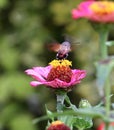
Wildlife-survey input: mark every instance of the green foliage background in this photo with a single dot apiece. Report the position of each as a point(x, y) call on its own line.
point(26, 26)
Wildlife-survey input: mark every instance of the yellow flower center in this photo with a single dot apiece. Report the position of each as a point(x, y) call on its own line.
point(60, 70)
point(102, 7)
point(56, 63)
point(57, 123)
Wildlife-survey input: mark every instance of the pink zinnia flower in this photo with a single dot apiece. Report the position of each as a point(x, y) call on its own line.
point(57, 75)
point(98, 11)
point(58, 125)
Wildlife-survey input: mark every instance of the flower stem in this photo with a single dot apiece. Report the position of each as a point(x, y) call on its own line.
point(102, 45)
point(108, 102)
point(60, 102)
point(107, 93)
point(103, 34)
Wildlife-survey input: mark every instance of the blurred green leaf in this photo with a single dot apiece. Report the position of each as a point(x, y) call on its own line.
point(9, 112)
point(104, 69)
point(9, 56)
point(3, 3)
point(22, 122)
point(16, 85)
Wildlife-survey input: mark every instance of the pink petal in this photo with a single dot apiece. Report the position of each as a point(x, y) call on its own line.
point(39, 73)
point(82, 10)
point(56, 83)
point(42, 70)
point(34, 74)
point(76, 78)
point(35, 83)
point(79, 74)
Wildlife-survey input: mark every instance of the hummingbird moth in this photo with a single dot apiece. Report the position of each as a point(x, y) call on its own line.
point(62, 49)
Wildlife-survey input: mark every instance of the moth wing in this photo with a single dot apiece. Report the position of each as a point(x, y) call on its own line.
point(54, 47)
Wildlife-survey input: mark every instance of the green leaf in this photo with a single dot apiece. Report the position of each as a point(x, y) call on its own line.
point(72, 106)
point(104, 69)
point(49, 113)
point(90, 112)
point(82, 122)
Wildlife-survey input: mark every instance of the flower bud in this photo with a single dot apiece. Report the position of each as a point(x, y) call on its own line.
point(84, 104)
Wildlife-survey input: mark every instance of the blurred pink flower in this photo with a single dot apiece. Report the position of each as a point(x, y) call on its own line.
point(57, 75)
point(98, 11)
point(102, 126)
